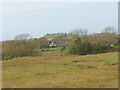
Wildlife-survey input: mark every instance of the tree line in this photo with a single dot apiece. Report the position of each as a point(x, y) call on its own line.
point(77, 42)
point(83, 43)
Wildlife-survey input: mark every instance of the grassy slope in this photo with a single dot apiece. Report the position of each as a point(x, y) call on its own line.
point(54, 71)
point(52, 49)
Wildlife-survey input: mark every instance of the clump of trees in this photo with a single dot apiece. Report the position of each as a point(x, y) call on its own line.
point(83, 43)
point(21, 46)
point(80, 48)
point(16, 49)
point(22, 37)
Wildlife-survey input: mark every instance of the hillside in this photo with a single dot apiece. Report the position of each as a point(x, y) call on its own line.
point(88, 71)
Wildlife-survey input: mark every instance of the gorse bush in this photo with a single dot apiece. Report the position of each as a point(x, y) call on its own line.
point(80, 48)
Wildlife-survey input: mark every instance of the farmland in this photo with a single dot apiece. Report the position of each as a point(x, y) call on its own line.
point(59, 45)
point(68, 71)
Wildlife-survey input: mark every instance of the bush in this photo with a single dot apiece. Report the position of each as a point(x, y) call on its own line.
point(17, 49)
point(80, 48)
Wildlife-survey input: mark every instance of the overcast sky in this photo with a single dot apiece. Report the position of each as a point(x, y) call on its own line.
point(41, 18)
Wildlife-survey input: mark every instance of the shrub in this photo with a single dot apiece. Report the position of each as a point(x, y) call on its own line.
point(80, 48)
point(17, 49)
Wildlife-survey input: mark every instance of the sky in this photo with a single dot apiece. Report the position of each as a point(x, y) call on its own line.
point(40, 18)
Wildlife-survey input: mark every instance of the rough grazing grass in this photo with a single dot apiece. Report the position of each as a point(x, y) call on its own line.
point(55, 71)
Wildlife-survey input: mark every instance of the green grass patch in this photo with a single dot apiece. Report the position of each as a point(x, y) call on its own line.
point(52, 48)
point(109, 58)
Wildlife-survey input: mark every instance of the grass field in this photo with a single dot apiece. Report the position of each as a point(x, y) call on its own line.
point(55, 71)
point(52, 49)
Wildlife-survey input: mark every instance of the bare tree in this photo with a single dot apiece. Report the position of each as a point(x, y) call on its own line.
point(78, 33)
point(42, 42)
point(109, 30)
point(109, 33)
point(22, 36)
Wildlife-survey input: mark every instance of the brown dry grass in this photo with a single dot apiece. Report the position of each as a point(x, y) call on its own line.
point(54, 71)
